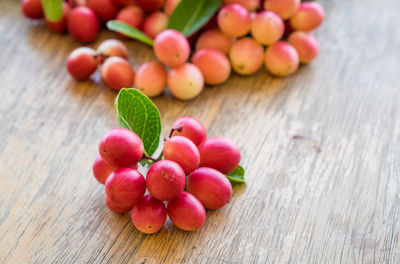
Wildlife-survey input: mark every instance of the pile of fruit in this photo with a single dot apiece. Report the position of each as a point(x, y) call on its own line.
point(187, 151)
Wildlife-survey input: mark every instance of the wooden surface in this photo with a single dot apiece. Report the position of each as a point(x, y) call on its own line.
point(321, 151)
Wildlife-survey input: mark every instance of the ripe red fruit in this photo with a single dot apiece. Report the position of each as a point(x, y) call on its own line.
point(81, 63)
point(210, 186)
point(83, 24)
point(149, 215)
point(185, 81)
point(234, 20)
point(281, 59)
point(165, 180)
point(116, 208)
point(155, 23)
point(284, 8)
point(113, 47)
point(183, 151)
point(101, 170)
point(117, 73)
point(267, 27)
point(190, 128)
point(213, 64)
point(171, 47)
point(32, 8)
point(150, 5)
point(104, 9)
point(124, 3)
point(250, 5)
point(186, 212)
point(125, 187)
point(170, 5)
point(246, 56)
point(220, 153)
point(305, 44)
point(150, 78)
point(121, 147)
point(61, 25)
point(214, 39)
point(131, 15)
point(308, 17)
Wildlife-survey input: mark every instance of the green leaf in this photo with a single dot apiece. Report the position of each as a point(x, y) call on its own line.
point(189, 15)
point(129, 31)
point(138, 113)
point(237, 175)
point(53, 9)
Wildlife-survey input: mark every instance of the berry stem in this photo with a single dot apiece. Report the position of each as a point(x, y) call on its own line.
point(149, 158)
point(179, 129)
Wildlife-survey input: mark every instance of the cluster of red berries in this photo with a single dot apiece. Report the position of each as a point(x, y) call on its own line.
point(186, 152)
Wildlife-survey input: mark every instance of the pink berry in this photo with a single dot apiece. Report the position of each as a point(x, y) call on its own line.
point(246, 56)
point(190, 128)
point(284, 8)
point(101, 170)
point(186, 212)
point(83, 24)
point(151, 78)
point(281, 59)
point(116, 208)
point(149, 215)
point(305, 44)
point(170, 5)
point(220, 153)
point(81, 63)
point(309, 16)
point(61, 25)
point(185, 82)
point(131, 15)
point(234, 20)
point(250, 5)
point(267, 27)
point(213, 64)
point(214, 39)
point(121, 147)
point(113, 47)
point(123, 3)
point(32, 9)
point(165, 180)
point(155, 23)
point(150, 5)
point(117, 73)
point(125, 187)
point(183, 151)
point(210, 186)
point(171, 47)
point(104, 9)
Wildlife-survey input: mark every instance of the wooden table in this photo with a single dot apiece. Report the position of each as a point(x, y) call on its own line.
point(321, 150)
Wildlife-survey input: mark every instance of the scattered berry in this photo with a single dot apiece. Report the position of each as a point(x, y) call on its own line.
point(81, 63)
point(113, 47)
point(117, 73)
point(151, 78)
point(185, 81)
point(171, 47)
point(83, 24)
point(32, 9)
point(155, 23)
point(131, 15)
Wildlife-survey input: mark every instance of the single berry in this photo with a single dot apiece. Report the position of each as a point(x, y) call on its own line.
point(234, 20)
point(250, 5)
point(170, 5)
point(104, 9)
point(61, 25)
point(101, 170)
point(305, 44)
point(213, 64)
point(171, 47)
point(246, 56)
point(155, 23)
point(186, 81)
point(183, 151)
point(150, 5)
point(83, 24)
point(149, 215)
point(151, 78)
point(131, 15)
point(190, 128)
point(112, 47)
point(215, 39)
point(81, 63)
point(309, 16)
point(284, 8)
point(117, 73)
point(267, 27)
point(281, 59)
point(116, 208)
point(32, 9)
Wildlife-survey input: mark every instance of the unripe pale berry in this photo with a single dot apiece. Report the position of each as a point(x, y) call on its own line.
point(121, 147)
point(101, 170)
point(61, 25)
point(151, 78)
point(117, 73)
point(267, 27)
point(185, 81)
point(210, 186)
point(125, 187)
point(131, 15)
point(116, 208)
point(171, 47)
point(305, 44)
point(246, 56)
point(123, 3)
point(81, 63)
point(165, 180)
point(309, 16)
point(220, 153)
point(284, 8)
point(234, 20)
point(113, 47)
point(170, 5)
point(183, 151)
point(186, 212)
point(83, 24)
point(155, 23)
point(190, 128)
point(250, 5)
point(104, 9)
point(150, 5)
point(281, 59)
point(32, 9)
point(149, 215)
point(215, 39)
point(213, 64)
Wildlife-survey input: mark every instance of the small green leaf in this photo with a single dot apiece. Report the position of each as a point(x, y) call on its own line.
point(129, 31)
point(189, 15)
point(138, 113)
point(237, 175)
point(53, 9)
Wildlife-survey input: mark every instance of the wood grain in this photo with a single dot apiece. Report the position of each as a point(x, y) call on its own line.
point(321, 151)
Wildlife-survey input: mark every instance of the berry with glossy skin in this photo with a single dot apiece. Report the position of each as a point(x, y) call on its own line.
point(101, 170)
point(104, 9)
point(116, 208)
point(83, 24)
point(186, 212)
point(267, 27)
point(32, 9)
point(121, 147)
point(183, 151)
point(155, 23)
point(250, 5)
point(234, 20)
point(149, 215)
point(220, 153)
point(61, 25)
point(123, 3)
point(165, 180)
point(185, 81)
point(131, 15)
point(150, 5)
point(170, 5)
point(213, 64)
point(210, 186)
point(190, 128)
point(81, 63)
point(125, 187)
point(215, 39)
point(246, 56)
point(171, 47)
point(309, 16)
point(284, 8)
point(117, 73)
point(281, 59)
point(151, 78)
point(113, 47)
point(305, 44)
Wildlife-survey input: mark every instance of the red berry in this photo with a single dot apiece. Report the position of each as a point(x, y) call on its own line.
point(155, 23)
point(305, 44)
point(171, 47)
point(116, 208)
point(267, 27)
point(149, 215)
point(150, 5)
point(131, 15)
point(104, 9)
point(124, 3)
point(284, 8)
point(81, 63)
point(183, 151)
point(281, 59)
point(101, 170)
point(61, 25)
point(117, 73)
point(234, 20)
point(32, 9)
point(246, 56)
point(213, 64)
point(151, 78)
point(190, 128)
point(185, 81)
point(214, 39)
point(83, 24)
point(113, 47)
point(309, 16)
